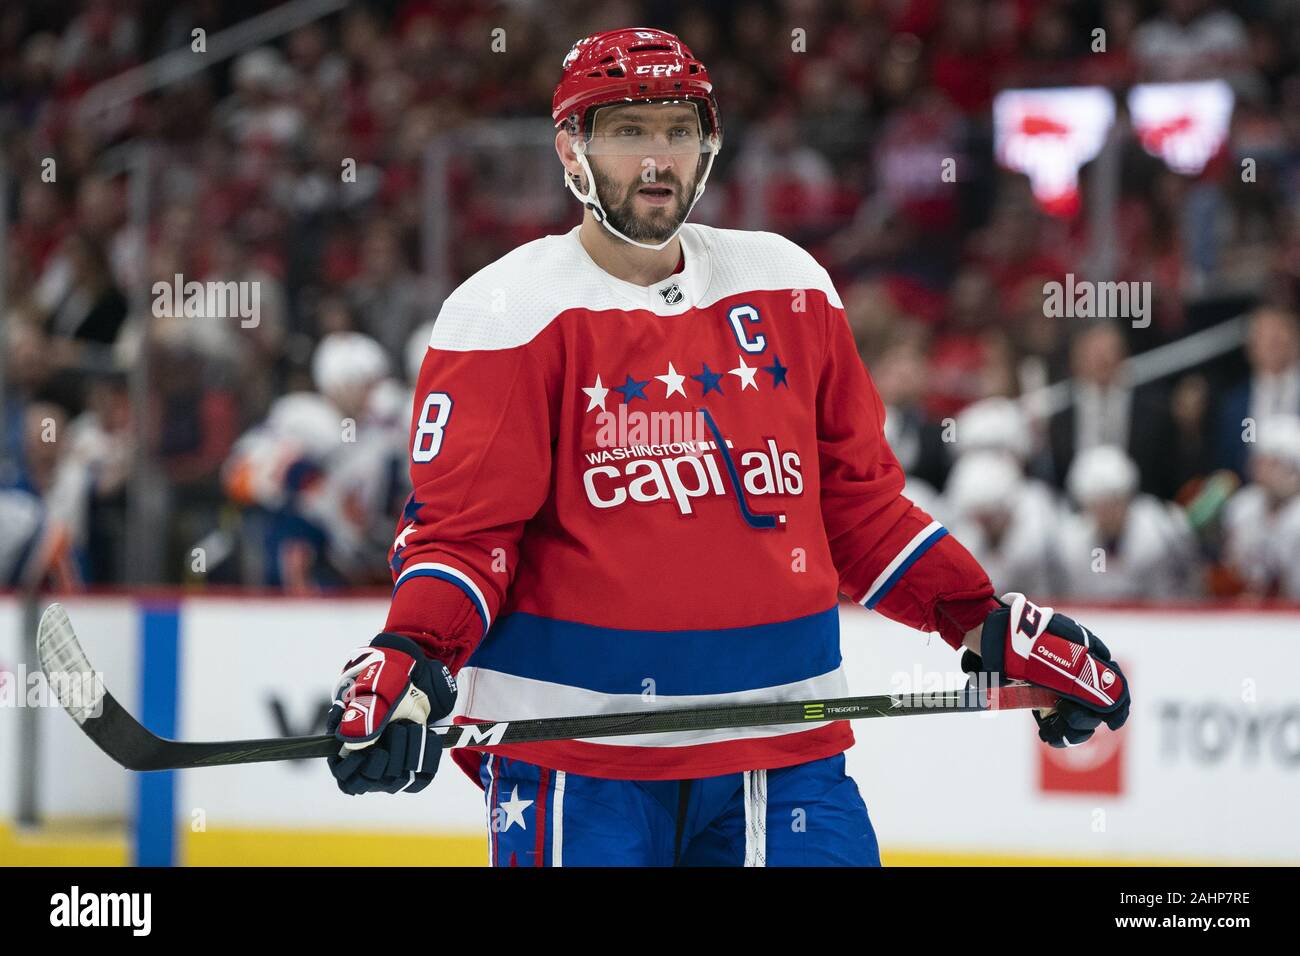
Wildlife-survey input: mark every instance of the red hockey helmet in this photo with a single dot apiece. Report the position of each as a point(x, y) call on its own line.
point(634, 65)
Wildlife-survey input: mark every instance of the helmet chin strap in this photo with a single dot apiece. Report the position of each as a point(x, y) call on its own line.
point(592, 202)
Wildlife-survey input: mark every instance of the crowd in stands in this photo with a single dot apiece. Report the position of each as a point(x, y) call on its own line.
point(837, 116)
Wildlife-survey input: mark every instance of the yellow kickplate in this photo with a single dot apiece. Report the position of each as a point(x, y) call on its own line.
point(227, 846)
point(64, 844)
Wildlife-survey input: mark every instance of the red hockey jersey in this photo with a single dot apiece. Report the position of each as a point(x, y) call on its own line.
point(633, 497)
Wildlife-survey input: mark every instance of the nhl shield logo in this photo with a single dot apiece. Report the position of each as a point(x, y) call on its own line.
point(672, 294)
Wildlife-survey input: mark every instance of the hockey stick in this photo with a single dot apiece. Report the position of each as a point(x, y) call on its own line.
point(122, 737)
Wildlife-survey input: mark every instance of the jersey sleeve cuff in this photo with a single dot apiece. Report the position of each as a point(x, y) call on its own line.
point(415, 579)
point(908, 555)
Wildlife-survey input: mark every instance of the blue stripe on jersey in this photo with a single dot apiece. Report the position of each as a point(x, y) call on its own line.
point(874, 599)
point(451, 579)
point(615, 661)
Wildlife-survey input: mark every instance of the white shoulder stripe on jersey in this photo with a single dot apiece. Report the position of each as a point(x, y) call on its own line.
point(509, 302)
point(746, 261)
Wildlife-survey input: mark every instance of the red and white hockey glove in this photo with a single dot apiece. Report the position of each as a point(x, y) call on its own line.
point(385, 696)
point(1022, 641)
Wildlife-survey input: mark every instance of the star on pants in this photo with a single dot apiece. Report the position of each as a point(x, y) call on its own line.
point(514, 808)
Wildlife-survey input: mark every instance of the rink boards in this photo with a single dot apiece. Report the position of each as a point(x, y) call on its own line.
point(1207, 771)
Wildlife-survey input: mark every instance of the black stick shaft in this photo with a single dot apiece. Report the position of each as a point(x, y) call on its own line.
point(131, 745)
point(485, 734)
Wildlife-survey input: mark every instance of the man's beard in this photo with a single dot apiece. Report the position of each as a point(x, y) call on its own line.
point(659, 224)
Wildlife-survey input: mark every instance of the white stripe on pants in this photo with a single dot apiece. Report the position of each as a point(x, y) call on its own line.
point(491, 827)
point(557, 821)
point(755, 817)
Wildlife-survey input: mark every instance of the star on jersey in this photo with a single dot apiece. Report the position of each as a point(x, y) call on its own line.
point(409, 511)
point(596, 394)
point(709, 380)
point(632, 389)
point(514, 808)
point(674, 381)
point(746, 375)
point(412, 508)
point(777, 371)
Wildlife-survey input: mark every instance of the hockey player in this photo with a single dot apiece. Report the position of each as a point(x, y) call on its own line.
point(1007, 521)
point(561, 554)
point(273, 473)
point(365, 484)
point(1261, 522)
point(1123, 545)
point(1005, 517)
point(318, 475)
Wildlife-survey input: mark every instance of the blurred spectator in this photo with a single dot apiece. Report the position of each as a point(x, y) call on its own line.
point(994, 424)
point(1106, 409)
point(416, 347)
point(1192, 40)
point(1123, 545)
point(899, 372)
point(1188, 452)
point(98, 42)
point(27, 374)
point(385, 297)
point(251, 348)
point(103, 439)
point(959, 355)
point(80, 297)
point(964, 59)
point(1009, 523)
point(260, 117)
point(789, 184)
point(57, 479)
point(989, 495)
point(1261, 534)
point(41, 225)
point(1114, 66)
point(1272, 388)
point(194, 423)
point(22, 517)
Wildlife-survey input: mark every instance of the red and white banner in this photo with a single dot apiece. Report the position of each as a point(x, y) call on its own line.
point(1185, 124)
point(1048, 135)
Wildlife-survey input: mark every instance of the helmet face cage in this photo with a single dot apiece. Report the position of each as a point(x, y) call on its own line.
point(625, 67)
point(588, 148)
point(581, 125)
point(645, 130)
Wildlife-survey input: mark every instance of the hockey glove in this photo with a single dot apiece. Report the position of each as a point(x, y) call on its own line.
point(1022, 641)
point(384, 697)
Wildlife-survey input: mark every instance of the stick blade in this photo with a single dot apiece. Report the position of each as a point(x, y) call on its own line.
point(80, 689)
point(74, 682)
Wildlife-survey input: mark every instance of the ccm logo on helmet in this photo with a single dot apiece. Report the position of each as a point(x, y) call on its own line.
point(659, 69)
